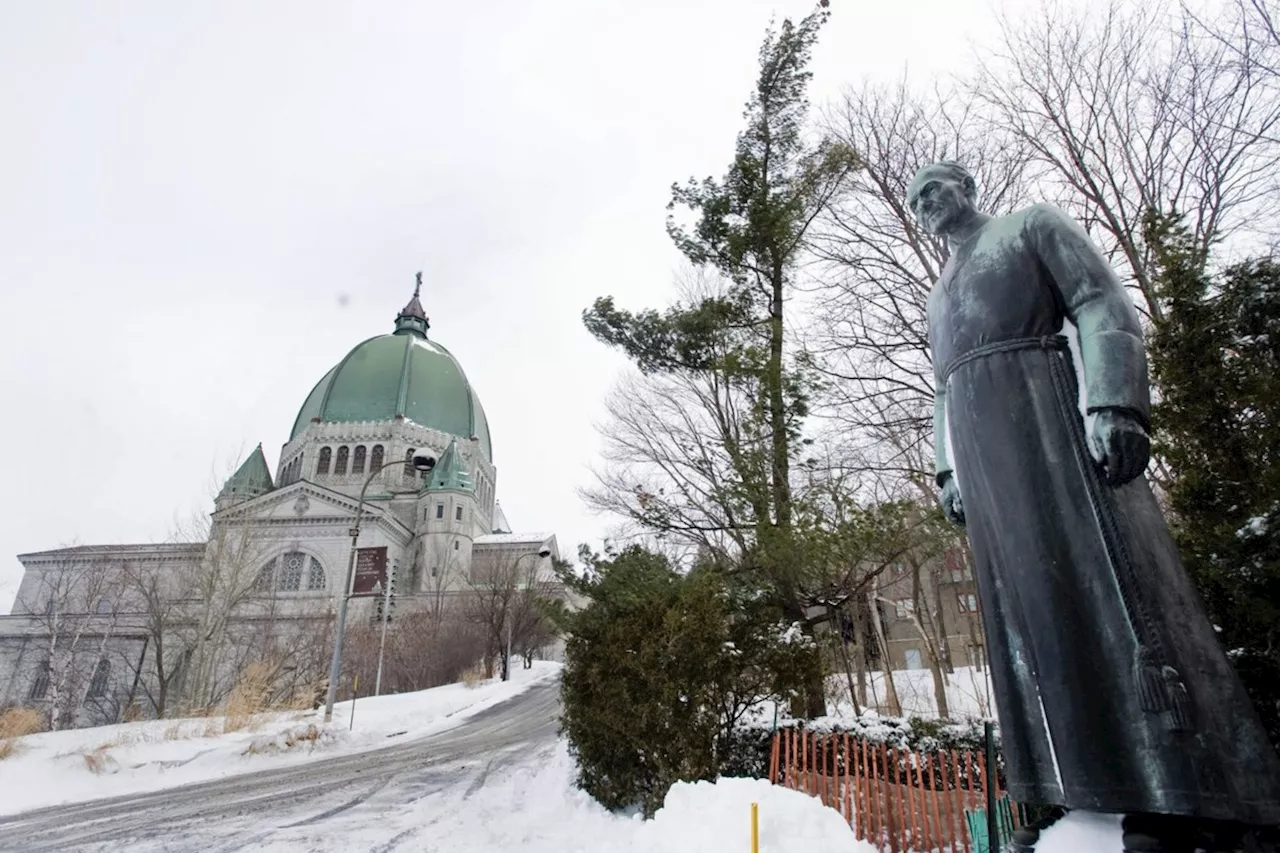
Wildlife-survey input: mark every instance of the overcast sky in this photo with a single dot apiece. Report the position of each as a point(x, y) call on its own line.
point(204, 206)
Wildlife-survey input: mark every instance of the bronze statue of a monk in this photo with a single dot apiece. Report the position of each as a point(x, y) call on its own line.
point(1112, 690)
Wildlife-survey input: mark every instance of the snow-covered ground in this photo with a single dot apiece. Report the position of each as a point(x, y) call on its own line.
point(73, 766)
point(466, 782)
point(968, 693)
point(534, 808)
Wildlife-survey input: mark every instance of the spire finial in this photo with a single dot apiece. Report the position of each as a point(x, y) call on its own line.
point(412, 320)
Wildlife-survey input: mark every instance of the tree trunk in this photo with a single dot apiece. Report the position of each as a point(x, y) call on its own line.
point(778, 410)
point(922, 615)
point(859, 653)
point(844, 656)
point(890, 689)
point(940, 629)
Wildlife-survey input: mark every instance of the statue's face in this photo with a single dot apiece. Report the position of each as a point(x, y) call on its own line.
point(937, 198)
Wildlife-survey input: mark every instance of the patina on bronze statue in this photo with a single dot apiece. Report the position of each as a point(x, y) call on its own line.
point(1112, 690)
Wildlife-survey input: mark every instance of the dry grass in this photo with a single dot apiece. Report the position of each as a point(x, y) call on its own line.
point(474, 676)
point(95, 760)
point(16, 723)
point(249, 698)
point(19, 722)
point(292, 738)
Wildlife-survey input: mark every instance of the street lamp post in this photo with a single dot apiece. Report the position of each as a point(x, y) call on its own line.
point(506, 667)
point(422, 460)
point(386, 617)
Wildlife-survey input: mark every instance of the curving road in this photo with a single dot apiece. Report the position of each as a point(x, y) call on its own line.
point(310, 806)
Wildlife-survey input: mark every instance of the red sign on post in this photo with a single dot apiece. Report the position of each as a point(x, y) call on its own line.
point(371, 571)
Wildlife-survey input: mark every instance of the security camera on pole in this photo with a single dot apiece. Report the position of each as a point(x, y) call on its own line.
point(421, 460)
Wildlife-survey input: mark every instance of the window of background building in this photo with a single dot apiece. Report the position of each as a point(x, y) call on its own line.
point(98, 685)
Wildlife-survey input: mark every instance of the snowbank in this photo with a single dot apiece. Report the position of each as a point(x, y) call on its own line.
point(1080, 831)
point(73, 766)
point(534, 807)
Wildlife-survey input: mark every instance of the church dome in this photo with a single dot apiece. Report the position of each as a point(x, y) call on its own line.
point(403, 373)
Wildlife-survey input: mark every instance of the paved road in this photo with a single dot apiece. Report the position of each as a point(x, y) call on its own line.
point(320, 799)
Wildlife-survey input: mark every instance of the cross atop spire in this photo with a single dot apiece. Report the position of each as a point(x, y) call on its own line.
point(412, 320)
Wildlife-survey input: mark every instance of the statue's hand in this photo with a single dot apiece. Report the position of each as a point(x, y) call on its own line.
point(952, 505)
point(1123, 442)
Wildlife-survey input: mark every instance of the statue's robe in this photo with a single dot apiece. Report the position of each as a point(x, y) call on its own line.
point(1112, 689)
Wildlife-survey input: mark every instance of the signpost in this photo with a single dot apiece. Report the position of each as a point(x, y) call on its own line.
point(371, 571)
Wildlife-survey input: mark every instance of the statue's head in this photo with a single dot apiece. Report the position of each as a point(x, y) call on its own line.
point(942, 195)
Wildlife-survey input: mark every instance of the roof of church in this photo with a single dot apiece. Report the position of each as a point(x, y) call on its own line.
point(401, 374)
point(92, 552)
point(450, 473)
point(251, 479)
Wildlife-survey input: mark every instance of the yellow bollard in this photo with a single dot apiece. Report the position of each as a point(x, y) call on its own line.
point(755, 828)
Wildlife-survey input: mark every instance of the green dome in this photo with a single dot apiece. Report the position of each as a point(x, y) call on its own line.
point(403, 373)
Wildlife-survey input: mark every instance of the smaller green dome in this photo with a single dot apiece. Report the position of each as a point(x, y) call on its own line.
point(400, 374)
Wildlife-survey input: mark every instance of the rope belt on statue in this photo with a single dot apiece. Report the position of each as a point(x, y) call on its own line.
point(1159, 685)
point(1047, 342)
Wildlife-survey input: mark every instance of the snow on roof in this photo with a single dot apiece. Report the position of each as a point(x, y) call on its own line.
point(512, 538)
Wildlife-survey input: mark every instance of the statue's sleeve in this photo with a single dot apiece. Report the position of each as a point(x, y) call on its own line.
point(943, 464)
point(1115, 362)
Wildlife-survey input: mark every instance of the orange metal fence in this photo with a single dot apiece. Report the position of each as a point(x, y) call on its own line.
point(901, 800)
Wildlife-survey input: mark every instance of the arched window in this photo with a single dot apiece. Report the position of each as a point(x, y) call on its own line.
point(98, 685)
point(40, 687)
point(322, 466)
point(357, 461)
point(375, 458)
point(315, 575)
point(291, 566)
point(340, 465)
point(295, 469)
point(266, 577)
point(408, 462)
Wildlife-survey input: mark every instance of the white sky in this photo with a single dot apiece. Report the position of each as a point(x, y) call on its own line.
point(204, 206)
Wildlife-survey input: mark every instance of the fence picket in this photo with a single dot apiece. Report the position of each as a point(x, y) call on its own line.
point(960, 806)
point(848, 784)
point(948, 809)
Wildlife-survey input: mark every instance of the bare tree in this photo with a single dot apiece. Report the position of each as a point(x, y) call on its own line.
point(505, 591)
point(877, 266)
point(77, 609)
point(231, 581)
point(156, 590)
point(1249, 34)
point(1129, 110)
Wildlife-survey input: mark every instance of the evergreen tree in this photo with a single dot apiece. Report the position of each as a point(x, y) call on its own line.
point(660, 668)
point(1216, 362)
point(749, 229)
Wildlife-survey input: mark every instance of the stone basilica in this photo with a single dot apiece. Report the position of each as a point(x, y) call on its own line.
point(283, 539)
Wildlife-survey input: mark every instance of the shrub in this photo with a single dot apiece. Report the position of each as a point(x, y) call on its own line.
point(659, 670)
